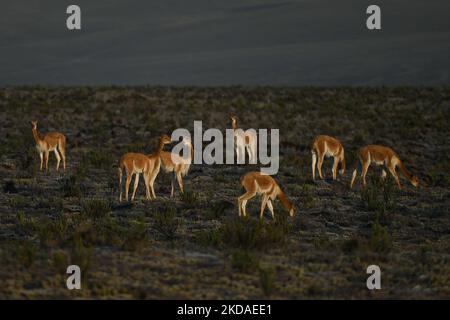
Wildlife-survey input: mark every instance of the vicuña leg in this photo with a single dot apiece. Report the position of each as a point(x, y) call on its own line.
point(58, 159)
point(269, 204)
point(395, 175)
point(41, 155)
point(180, 181)
point(319, 165)
point(263, 205)
point(47, 153)
point(243, 201)
point(127, 185)
point(365, 167)
point(335, 166)
point(136, 184)
point(313, 164)
point(62, 151)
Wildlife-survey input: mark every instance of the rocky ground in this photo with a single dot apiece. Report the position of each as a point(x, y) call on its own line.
point(194, 245)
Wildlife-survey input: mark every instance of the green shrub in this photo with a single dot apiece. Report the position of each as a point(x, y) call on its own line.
point(60, 261)
point(189, 197)
point(53, 233)
point(97, 159)
point(95, 208)
point(26, 253)
point(244, 261)
point(246, 233)
point(9, 187)
point(26, 224)
point(266, 280)
point(136, 236)
point(208, 238)
point(350, 245)
point(166, 223)
point(379, 195)
point(380, 240)
point(70, 186)
point(81, 255)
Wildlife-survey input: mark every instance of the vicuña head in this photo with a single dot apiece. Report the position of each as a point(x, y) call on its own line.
point(382, 156)
point(234, 120)
point(34, 124)
point(256, 183)
point(165, 139)
point(414, 181)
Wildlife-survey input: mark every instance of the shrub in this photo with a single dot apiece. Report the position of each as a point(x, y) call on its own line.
point(26, 224)
point(9, 187)
point(166, 223)
point(60, 261)
point(17, 201)
point(70, 186)
point(350, 245)
point(81, 255)
point(189, 197)
point(307, 195)
point(26, 253)
point(135, 237)
point(380, 240)
point(379, 195)
point(248, 233)
point(97, 159)
point(54, 232)
point(266, 280)
point(208, 237)
point(244, 261)
point(95, 208)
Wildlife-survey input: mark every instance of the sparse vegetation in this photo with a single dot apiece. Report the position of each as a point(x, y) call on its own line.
point(167, 223)
point(194, 245)
point(95, 208)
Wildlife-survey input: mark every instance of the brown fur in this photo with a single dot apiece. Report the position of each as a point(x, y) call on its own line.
point(244, 140)
point(380, 155)
point(326, 146)
point(172, 162)
point(52, 141)
point(137, 163)
point(256, 183)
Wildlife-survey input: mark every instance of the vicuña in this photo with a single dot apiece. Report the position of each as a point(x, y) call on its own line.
point(381, 156)
point(52, 141)
point(137, 163)
point(326, 146)
point(257, 183)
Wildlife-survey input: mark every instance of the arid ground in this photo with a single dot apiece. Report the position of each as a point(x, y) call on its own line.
point(194, 245)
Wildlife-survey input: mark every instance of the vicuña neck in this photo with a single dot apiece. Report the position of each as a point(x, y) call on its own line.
point(284, 200)
point(405, 171)
point(160, 147)
point(36, 135)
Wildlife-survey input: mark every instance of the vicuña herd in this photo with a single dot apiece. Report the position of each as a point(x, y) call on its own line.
point(254, 183)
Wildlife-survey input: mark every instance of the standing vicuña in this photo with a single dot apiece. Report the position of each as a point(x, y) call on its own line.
point(384, 156)
point(172, 162)
point(256, 183)
point(244, 141)
point(52, 141)
point(137, 163)
point(326, 146)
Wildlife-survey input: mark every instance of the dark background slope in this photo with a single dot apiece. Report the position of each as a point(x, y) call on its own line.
point(204, 42)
